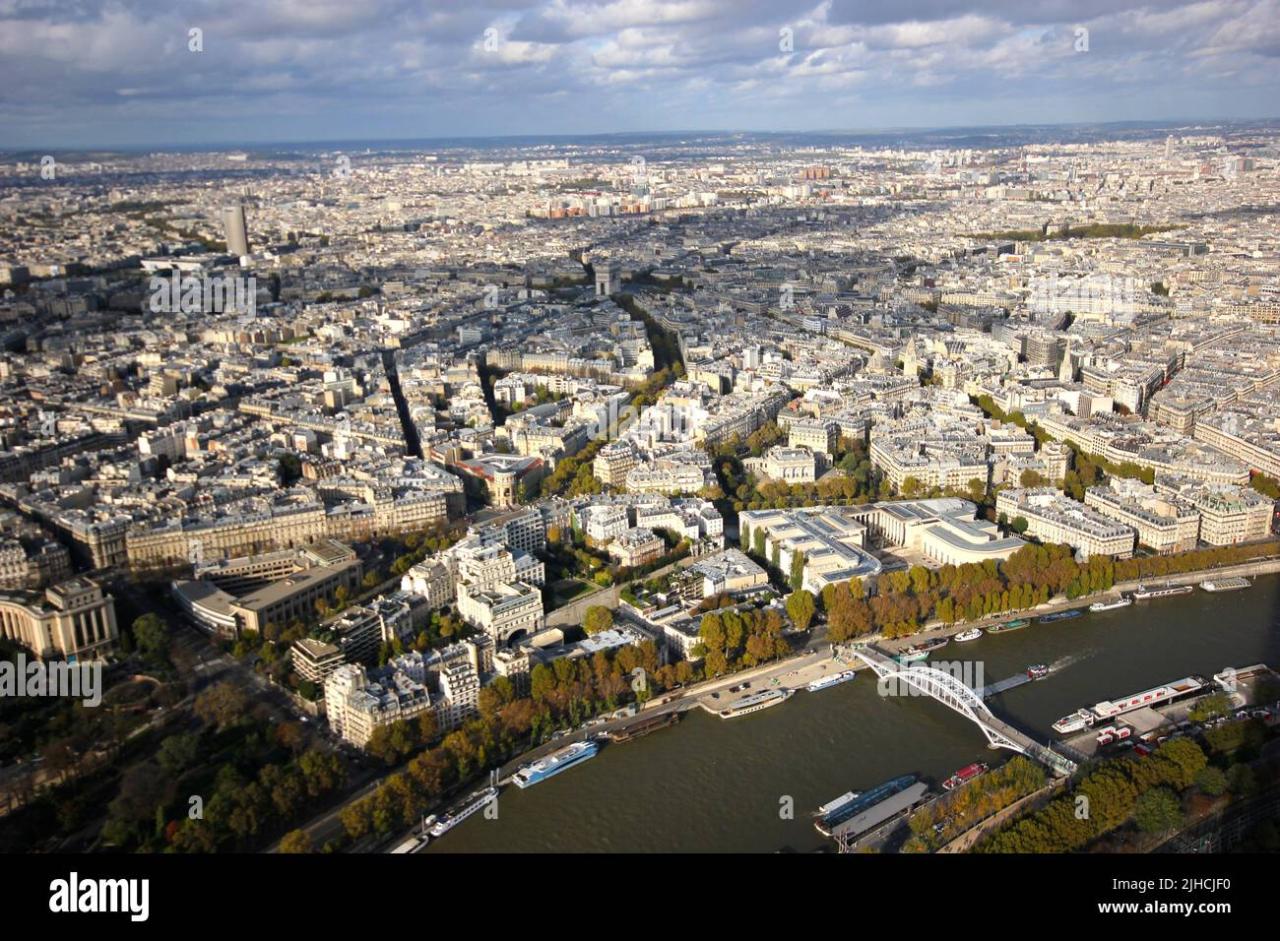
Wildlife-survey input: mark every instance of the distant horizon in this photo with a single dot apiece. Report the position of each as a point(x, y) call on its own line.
point(215, 146)
point(98, 74)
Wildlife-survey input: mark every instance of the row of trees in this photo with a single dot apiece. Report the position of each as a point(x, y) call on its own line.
point(562, 694)
point(733, 639)
point(973, 802)
point(573, 475)
point(1141, 789)
point(906, 600)
point(1158, 566)
point(1087, 470)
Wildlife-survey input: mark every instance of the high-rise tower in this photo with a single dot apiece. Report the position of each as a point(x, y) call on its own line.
point(236, 230)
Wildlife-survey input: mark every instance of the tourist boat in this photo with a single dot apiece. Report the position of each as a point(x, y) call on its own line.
point(830, 807)
point(1037, 671)
point(1109, 709)
point(972, 634)
point(553, 764)
point(1121, 602)
point(755, 702)
point(1015, 625)
point(1225, 584)
point(828, 681)
point(1143, 593)
point(964, 775)
point(1076, 722)
point(847, 808)
point(1149, 697)
point(474, 803)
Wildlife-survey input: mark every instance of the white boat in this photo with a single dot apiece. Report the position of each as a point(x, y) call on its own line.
point(828, 681)
point(1076, 722)
point(1109, 709)
point(1121, 602)
point(1148, 697)
point(554, 763)
point(1143, 593)
point(475, 802)
point(1225, 584)
point(972, 634)
point(831, 807)
point(754, 703)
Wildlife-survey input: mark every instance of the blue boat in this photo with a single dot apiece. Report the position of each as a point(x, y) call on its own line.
point(843, 809)
point(554, 763)
point(1059, 616)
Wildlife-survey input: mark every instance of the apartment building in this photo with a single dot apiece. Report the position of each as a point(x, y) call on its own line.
point(1164, 522)
point(666, 476)
point(823, 436)
point(459, 683)
point(483, 566)
point(1249, 435)
point(503, 610)
point(357, 703)
point(603, 522)
point(613, 462)
point(636, 547)
point(1052, 517)
point(1228, 515)
point(431, 579)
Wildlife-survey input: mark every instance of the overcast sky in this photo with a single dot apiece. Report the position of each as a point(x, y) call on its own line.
point(86, 73)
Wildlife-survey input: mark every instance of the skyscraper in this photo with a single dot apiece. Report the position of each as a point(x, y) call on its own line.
point(236, 230)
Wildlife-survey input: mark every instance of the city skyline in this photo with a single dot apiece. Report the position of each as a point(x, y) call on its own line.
point(639, 427)
point(107, 76)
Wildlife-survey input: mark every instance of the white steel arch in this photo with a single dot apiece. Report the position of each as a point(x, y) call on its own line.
point(949, 691)
point(957, 696)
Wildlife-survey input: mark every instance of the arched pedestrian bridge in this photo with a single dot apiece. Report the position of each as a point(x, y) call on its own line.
point(955, 695)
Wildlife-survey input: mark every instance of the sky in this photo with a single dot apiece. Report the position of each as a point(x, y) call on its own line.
point(148, 73)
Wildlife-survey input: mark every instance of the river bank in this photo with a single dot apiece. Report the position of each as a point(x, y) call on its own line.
point(815, 660)
point(748, 784)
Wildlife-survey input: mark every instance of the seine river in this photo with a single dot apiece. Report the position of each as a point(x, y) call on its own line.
point(713, 785)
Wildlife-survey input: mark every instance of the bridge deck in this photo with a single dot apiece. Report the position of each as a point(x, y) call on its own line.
point(1001, 686)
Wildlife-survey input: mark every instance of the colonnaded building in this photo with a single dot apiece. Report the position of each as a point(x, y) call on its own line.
point(74, 619)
